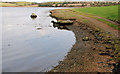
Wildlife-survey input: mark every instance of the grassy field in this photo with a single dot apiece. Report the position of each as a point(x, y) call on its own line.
point(23, 3)
point(15, 4)
point(7, 4)
point(109, 12)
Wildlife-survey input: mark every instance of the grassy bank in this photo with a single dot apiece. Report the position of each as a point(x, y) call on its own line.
point(109, 12)
point(101, 14)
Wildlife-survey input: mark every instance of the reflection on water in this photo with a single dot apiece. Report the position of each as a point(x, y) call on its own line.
point(32, 45)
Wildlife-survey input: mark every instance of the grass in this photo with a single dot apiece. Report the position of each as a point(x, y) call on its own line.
point(109, 12)
point(7, 4)
point(15, 4)
point(23, 3)
point(110, 24)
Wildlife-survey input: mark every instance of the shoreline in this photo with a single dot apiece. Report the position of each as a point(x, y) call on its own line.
point(90, 55)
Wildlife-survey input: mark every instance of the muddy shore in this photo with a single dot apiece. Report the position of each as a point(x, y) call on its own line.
point(94, 50)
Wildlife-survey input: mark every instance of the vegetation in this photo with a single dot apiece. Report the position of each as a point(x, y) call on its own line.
point(76, 4)
point(109, 12)
point(8, 4)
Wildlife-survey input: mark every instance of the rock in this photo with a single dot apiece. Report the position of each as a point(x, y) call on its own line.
point(109, 42)
point(111, 55)
point(65, 22)
point(97, 30)
point(108, 32)
point(110, 59)
point(94, 48)
point(109, 65)
point(85, 39)
point(108, 47)
point(101, 50)
point(56, 25)
point(99, 38)
point(54, 70)
point(33, 15)
point(53, 22)
point(38, 28)
point(100, 62)
point(104, 53)
point(114, 64)
point(91, 31)
point(112, 42)
point(116, 69)
point(61, 27)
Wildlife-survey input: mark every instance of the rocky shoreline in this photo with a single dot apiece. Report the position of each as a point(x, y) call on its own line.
point(94, 50)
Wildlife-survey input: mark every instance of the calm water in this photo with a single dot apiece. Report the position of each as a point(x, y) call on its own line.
point(27, 49)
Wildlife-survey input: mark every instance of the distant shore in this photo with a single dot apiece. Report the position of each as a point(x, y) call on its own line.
point(59, 4)
point(21, 6)
point(18, 4)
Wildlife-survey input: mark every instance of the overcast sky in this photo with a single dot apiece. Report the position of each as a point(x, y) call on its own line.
point(50, 0)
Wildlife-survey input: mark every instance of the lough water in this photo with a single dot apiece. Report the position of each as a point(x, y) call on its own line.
point(27, 49)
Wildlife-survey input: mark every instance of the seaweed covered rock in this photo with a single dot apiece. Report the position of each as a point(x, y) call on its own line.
point(64, 22)
point(33, 15)
point(86, 39)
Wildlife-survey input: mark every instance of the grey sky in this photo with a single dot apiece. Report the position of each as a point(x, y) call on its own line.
point(53, 0)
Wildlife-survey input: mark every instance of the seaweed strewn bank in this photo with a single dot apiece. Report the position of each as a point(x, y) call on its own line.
point(96, 48)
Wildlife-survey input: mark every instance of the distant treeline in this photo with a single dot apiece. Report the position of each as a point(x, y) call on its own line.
point(76, 4)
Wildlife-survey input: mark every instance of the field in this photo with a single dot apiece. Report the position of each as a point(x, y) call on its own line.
point(15, 4)
point(106, 14)
point(7, 4)
point(109, 12)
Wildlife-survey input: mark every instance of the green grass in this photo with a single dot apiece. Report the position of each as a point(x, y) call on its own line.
point(109, 12)
point(110, 24)
point(23, 3)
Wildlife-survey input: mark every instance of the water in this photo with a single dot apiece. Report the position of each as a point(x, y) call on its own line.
point(27, 49)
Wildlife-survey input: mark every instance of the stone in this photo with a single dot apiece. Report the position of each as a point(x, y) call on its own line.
point(64, 22)
point(61, 27)
point(104, 53)
point(38, 28)
point(108, 47)
point(85, 39)
point(33, 15)
point(54, 70)
point(100, 62)
point(112, 55)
